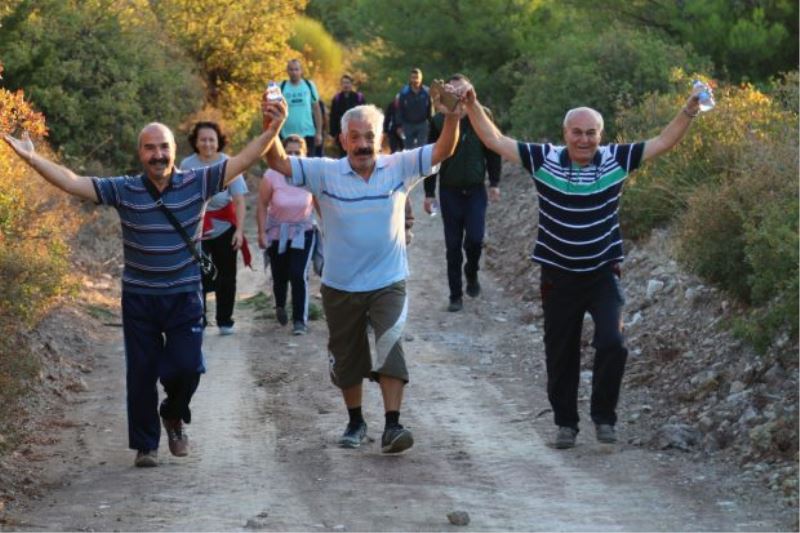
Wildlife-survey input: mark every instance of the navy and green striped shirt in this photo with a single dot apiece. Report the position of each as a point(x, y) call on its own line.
point(579, 206)
point(157, 260)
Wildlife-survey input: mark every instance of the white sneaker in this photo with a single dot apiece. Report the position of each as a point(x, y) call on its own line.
point(226, 330)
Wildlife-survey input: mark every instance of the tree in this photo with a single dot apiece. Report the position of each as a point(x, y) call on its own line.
point(97, 81)
point(238, 46)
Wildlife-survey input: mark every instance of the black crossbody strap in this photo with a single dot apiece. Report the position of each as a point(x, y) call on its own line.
point(171, 217)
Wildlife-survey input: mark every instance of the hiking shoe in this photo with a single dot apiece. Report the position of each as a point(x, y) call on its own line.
point(396, 439)
point(605, 433)
point(177, 438)
point(353, 435)
point(226, 330)
point(280, 314)
point(456, 304)
point(299, 328)
point(565, 438)
point(473, 289)
point(146, 459)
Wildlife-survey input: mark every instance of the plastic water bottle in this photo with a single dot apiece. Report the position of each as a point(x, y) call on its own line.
point(705, 96)
point(273, 92)
point(434, 208)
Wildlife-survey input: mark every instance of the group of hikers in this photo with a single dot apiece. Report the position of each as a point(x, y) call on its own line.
point(360, 202)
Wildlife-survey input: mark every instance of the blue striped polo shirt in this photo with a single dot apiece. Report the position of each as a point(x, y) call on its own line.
point(157, 260)
point(363, 221)
point(579, 206)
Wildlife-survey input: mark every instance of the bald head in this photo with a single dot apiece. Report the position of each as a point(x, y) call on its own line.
point(156, 127)
point(584, 113)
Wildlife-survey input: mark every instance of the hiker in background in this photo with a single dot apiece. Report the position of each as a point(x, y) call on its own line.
point(223, 223)
point(413, 111)
point(162, 310)
point(346, 98)
point(305, 115)
point(579, 248)
point(391, 127)
point(286, 234)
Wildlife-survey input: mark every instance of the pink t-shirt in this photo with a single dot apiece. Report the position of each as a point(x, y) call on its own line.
point(289, 204)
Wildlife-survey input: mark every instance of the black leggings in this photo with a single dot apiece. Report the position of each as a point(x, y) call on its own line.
point(292, 266)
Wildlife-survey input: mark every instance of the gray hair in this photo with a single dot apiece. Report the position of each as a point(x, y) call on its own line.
point(575, 110)
point(368, 113)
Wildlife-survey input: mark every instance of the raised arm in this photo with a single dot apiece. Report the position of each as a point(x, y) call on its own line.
point(487, 131)
point(675, 130)
point(445, 145)
point(61, 177)
point(255, 149)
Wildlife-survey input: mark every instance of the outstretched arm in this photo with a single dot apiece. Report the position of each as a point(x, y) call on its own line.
point(487, 131)
point(256, 148)
point(675, 130)
point(445, 145)
point(61, 177)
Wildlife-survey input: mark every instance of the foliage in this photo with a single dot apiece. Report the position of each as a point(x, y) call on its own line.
point(98, 79)
point(615, 69)
point(439, 37)
point(322, 56)
point(237, 45)
point(732, 188)
point(746, 39)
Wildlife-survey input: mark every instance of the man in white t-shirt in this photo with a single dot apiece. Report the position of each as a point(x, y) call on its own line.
point(362, 202)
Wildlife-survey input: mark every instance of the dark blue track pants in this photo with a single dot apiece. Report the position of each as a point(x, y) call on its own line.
point(163, 341)
point(292, 266)
point(566, 297)
point(464, 219)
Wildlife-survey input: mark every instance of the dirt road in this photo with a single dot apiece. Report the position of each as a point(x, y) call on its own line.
point(266, 420)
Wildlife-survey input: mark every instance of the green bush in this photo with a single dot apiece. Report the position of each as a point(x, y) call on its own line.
point(607, 71)
point(97, 77)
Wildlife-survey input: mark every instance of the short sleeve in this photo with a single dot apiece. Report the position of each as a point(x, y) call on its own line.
point(417, 164)
point(629, 156)
point(308, 172)
point(531, 155)
point(314, 93)
point(108, 190)
point(214, 178)
point(238, 187)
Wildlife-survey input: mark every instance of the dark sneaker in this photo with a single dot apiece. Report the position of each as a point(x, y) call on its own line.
point(565, 438)
point(605, 433)
point(146, 459)
point(456, 304)
point(473, 289)
point(177, 438)
point(396, 439)
point(299, 328)
point(280, 314)
point(353, 435)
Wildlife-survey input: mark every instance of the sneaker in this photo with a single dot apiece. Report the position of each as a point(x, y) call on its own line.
point(146, 459)
point(396, 439)
point(280, 314)
point(456, 304)
point(226, 330)
point(565, 438)
point(353, 435)
point(605, 433)
point(177, 437)
point(299, 328)
point(473, 289)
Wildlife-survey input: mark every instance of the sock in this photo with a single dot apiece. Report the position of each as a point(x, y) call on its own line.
point(392, 419)
point(355, 415)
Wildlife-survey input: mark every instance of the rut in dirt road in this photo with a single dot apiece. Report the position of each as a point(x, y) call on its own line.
point(266, 420)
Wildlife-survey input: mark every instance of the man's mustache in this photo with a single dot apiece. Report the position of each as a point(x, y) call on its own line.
point(158, 161)
point(364, 151)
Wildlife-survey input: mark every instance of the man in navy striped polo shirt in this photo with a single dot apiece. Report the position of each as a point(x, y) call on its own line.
point(579, 248)
point(161, 300)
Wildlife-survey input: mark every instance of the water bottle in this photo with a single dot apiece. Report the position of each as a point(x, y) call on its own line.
point(273, 92)
point(705, 96)
point(434, 208)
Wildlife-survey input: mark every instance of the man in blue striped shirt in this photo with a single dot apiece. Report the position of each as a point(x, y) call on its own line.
point(161, 283)
point(579, 248)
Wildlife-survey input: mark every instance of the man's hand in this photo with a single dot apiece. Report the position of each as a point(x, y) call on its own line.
point(238, 239)
point(469, 98)
point(23, 147)
point(692, 105)
point(262, 240)
point(318, 139)
point(273, 114)
point(427, 205)
point(494, 194)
